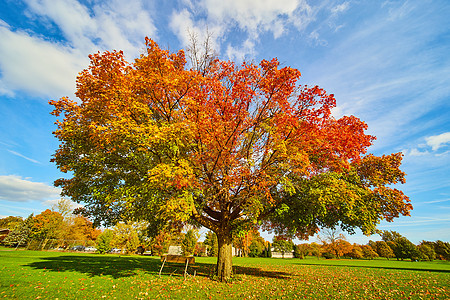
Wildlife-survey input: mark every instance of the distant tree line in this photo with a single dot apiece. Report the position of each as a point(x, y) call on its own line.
point(392, 245)
point(44, 229)
point(60, 227)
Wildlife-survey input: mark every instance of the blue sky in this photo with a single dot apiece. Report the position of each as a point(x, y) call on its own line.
point(387, 62)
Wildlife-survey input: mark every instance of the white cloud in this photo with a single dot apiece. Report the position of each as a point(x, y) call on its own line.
point(336, 11)
point(123, 25)
point(240, 53)
point(71, 17)
point(5, 90)
point(340, 8)
point(416, 152)
point(274, 16)
point(110, 25)
point(37, 66)
point(316, 39)
point(16, 189)
point(46, 68)
point(23, 156)
point(251, 17)
point(182, 23)
point(437, 141)
point(436, 201)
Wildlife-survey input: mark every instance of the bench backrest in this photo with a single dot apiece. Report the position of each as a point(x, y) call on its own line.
point(178, 258)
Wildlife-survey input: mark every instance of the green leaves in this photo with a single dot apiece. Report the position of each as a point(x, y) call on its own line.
point(356, 198)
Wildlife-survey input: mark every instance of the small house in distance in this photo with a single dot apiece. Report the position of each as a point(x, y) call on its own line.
point(282, 254)
point(175, 250)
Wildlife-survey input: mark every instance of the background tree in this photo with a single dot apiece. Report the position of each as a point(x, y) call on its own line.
point(442, 249)
point(126, 237)
point(405, 249)
point(334, 242)
point(368, 252)
point(268, 250)
point(65, 207)
point(21, 234)
point(427, 252)
point(356, 252)
point(80, 228)
point(301, 250)
point(383, 250)
point(161, 243)
point(48, 225)
point(390, 236)
point(257, 246)
point(373, 245)
point(211, 243)
point(280, 244)
point(400, 245)
point(224, 145)
point(10, 222)
point(315, 249)
point(104, 242)
point(391, 245)
point(338, 248)
point(200, 249)
point(189, 242)
point(244, 239)
point(76, 227)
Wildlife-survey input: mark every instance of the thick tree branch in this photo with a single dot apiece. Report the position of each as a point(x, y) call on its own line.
point(212, 213)
point(205, 221)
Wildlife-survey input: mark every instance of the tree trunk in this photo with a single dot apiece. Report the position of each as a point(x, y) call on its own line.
point(224, 266)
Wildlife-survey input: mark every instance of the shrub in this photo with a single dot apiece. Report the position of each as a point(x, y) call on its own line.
point(104, 241)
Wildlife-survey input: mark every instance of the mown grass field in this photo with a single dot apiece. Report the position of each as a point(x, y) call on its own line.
point(64, 275)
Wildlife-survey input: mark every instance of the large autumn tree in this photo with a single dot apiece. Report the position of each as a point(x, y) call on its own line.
point(222, 145)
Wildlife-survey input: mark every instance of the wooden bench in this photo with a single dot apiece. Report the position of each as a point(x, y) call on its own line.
point(177, 259)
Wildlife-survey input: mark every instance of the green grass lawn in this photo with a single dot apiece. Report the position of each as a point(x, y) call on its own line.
point(63, 275)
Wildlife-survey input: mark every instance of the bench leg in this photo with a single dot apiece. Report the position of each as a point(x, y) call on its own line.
point(185, 269)
point(162, 267)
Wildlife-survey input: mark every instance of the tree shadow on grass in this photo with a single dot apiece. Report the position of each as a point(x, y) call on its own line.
point(258, 272)
point(207, 270)
point(98, 265)
point(126, 266)
point(375, 267)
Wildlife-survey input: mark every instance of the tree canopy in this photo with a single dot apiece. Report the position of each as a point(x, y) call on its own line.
point(225, 146)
